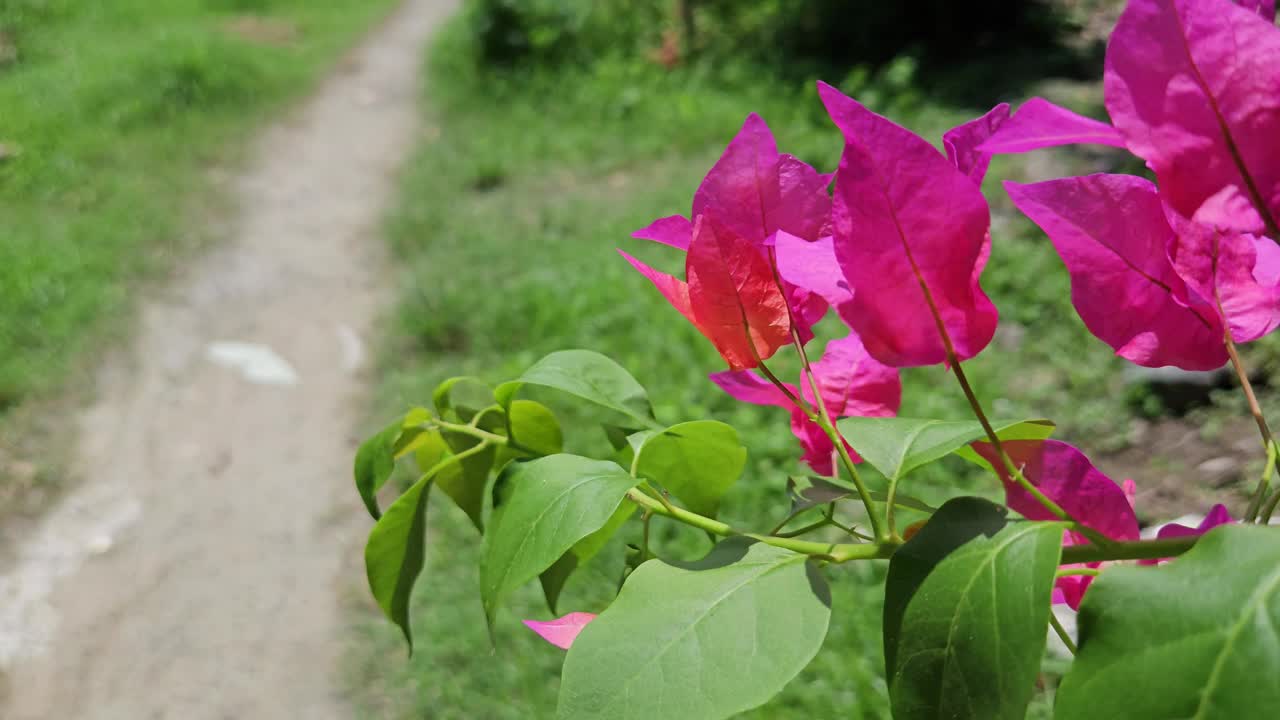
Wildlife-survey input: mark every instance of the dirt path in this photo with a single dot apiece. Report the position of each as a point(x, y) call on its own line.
point(194, 573)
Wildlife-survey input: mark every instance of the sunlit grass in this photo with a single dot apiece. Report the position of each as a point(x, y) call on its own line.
point(112, 113)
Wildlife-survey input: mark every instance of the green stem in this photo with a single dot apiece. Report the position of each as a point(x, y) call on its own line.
point(824, 522)
point(1068, 572)
point(824, 421)
point(456, 458)
point(1264, 484)
point(1268, 508)
point(844, 552)
point(804, 407)
point(1062, 633)
point(953, 359)
point(1255, 409)
point(482, 435)
point(832, 552)
point(644, 540)
point(1136, 550)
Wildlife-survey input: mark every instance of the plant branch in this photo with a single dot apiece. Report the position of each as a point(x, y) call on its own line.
point(844, 552)
point(1268, 508)
point(1135, 550)
point(1259, 419)
point(1062, 632)
point(1068, 572)
point(832, 552)
point(1264, 485)
point(823, 420)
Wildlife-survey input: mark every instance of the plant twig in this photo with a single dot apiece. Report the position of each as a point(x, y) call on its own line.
point(1062, 632)
point(1268, 508)
point(1255, 409)
point(1264, 484)
point(823, 420)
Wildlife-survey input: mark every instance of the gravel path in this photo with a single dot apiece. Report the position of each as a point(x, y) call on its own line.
point(194, 573)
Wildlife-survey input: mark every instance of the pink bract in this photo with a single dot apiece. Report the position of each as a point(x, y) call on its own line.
point(1194, 88)
point(1039, 123)
point(562, 631)
point(756, 191)
point(1111, 233)
point(731, 296)
point(734, 296)
point(1223, 268)
point(963, 142)
point(1065, 476)
point(906, 221)
point(753, 191)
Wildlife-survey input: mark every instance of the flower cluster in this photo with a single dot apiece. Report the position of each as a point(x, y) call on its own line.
point(1173, 272)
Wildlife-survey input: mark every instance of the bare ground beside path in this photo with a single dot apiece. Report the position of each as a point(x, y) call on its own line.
point(195, 571)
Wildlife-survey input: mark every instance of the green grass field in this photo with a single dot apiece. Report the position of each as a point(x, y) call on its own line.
point(111, 114)
point(505, 241)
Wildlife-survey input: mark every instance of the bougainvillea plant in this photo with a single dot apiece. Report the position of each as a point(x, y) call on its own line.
point(1176, 272)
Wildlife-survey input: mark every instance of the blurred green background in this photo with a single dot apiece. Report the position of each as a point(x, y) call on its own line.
point(554, 129)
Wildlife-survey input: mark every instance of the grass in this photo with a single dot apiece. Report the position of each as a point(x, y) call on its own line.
point(505, 238)
point(112, 114)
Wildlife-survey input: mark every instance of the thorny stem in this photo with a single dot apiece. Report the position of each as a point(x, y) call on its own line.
point(1264, 430)
point(1062, 633)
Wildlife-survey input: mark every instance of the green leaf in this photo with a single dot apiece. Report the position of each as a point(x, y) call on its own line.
point(809, 492)
point(554, 578)
point(376, 459)
point(462, 397)
point(1198, 637)
point(954, 524)
point(895, 446)
point(902, 500)
point(707, 641)
point(974, 632)
point(532, 425)
point(554, 502)
point(463, 480)
point(374, 463)
point(696, 461)
point(587, 375)
point(393, 555)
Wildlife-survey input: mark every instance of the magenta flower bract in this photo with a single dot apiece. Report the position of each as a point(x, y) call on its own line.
point(963, 142)
point(1112, 235)
point(1194, 88)
point(562, 631)
point(753, 192)
point(1065, 476)
point(1218, 515)
point(1039, 123)
point(851, 382)
point(910, 237)
point(731, 295)
point(1236, 273)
